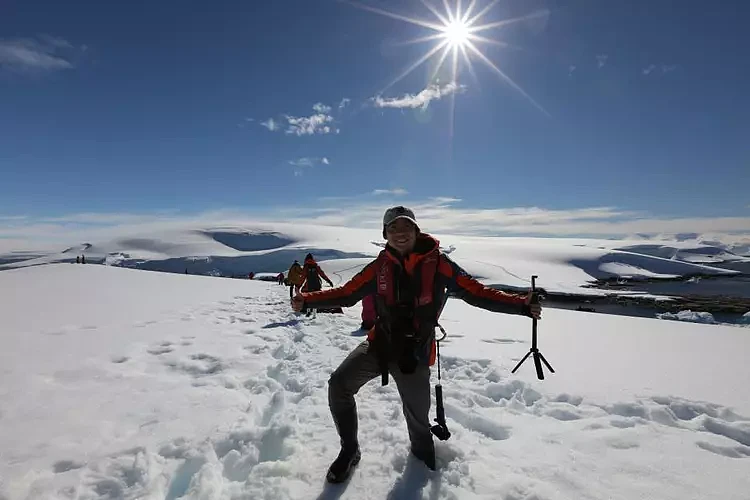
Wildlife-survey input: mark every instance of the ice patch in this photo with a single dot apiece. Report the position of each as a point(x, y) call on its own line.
point(690, 316)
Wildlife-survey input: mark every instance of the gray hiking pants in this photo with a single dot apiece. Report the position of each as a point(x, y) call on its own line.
point(360, 367)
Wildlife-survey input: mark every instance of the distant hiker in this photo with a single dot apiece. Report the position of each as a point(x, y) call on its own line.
point(312, 274)
point(280, 278)
point(368, 312)
point(250, 275)
point(409, 277)
point(83, 259)
point(295, 278)
point(78, 259)
point(186, 270)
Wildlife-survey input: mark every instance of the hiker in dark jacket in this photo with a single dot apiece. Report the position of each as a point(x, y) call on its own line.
point(409, 278)
point(312, 274)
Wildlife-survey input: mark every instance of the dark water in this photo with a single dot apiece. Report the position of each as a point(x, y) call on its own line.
point(732, 287)
point(635, 311)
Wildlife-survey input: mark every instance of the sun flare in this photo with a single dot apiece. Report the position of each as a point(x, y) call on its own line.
point(455, 31)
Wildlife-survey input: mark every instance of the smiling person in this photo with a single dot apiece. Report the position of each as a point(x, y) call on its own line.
point(409, 280)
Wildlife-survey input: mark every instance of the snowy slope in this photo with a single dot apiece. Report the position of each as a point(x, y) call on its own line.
point(732, 244)
point(119, 383)
point(563, 264)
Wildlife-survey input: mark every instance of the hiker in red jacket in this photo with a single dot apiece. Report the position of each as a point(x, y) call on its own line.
point(409, 279)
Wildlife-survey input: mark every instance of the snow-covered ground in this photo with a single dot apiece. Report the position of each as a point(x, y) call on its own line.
point(118, 383)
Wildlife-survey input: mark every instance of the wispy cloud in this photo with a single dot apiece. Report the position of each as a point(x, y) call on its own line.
point(571, 69)
point(445, 215)
point(601, 60)
point(270, 124)
point(105, 218)
point(245, 122)
point(344, 103)
point(41, 54)
point(664, 68)
point(421, 100)
point(301, 163)
point(321, 122)
point(395, 192)
point(321, 108)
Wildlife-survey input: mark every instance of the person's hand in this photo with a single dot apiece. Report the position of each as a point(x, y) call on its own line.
point(298, 302)
point(535, 308)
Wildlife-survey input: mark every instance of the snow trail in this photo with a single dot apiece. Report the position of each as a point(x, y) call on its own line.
point(264, 370)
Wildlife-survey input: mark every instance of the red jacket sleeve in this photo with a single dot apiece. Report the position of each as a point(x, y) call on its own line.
point(460, 283)
point(346, 295)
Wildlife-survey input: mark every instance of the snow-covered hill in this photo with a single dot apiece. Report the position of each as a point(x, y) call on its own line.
point(118, 383)
point(563, 264)
point(737, 245)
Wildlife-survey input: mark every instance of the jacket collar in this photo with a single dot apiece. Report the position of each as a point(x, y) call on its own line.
point(425, 245)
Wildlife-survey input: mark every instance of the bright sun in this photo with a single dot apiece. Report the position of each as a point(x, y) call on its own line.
point(456, 30)
point(457, 33)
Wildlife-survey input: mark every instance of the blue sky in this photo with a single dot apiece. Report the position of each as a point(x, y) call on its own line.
point(146, 107)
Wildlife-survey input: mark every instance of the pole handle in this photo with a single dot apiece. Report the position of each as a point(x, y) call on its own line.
point(534, 295)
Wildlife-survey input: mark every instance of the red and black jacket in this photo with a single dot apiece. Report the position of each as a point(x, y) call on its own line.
point(413, 289)
point(312, 273)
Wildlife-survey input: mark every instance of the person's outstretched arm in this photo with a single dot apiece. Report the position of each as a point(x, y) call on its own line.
point(473, 292)
point(323, 275)
point(362, 284)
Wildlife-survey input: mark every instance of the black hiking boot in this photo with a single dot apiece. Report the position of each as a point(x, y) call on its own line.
point(343, 466)
point(349, 456)
point(426, 456)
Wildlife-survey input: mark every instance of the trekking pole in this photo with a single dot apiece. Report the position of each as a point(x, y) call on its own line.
point(534, 351)
point(440, 429)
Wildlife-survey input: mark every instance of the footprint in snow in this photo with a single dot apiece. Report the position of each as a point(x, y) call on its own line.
point(504, 341)
point(681, 413)
point(477, 423)
point(726, 451)
point(291, 322)
point(621, 444)
point(198, 365)
point(158, 351)
point(65, 466)
point(563, 414)
point(55, 333)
